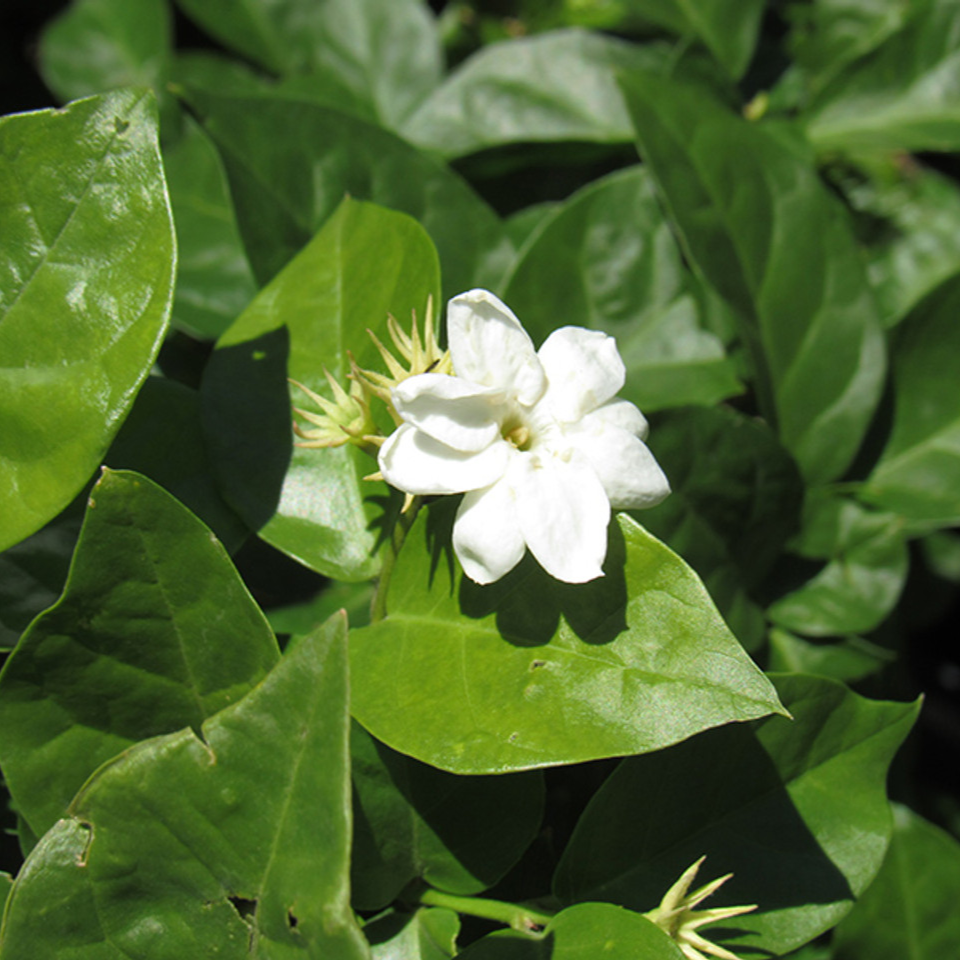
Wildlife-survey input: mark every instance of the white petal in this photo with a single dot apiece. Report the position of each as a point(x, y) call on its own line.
point(584, 370)
point(623, 414)
point(461, 414)
point(415, 463)
point(486, 533)
point(490, 347)
point(630, 475)
point(563, 514)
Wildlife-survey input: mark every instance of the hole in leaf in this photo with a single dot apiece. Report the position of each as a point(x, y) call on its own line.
point(246, 908)
point(121, 124)
point(292, 921)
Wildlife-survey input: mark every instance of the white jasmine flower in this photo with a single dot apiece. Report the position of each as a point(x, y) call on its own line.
point(535, 441)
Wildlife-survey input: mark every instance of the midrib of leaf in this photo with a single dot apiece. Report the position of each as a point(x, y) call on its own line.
point(51, 247)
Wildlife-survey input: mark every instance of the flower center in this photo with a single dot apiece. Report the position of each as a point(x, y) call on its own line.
point(517, 433)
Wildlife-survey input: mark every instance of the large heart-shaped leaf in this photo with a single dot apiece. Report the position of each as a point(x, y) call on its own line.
point(284, 196)
point(796, 809)
point(86, 278)
point(918, 475)
point(769, 237)
point(532, 672)
point(232, 845)
point(155, 631)
point(608, 261)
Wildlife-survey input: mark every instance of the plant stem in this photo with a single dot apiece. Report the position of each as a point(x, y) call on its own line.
point(511, 914)
point(378, 608)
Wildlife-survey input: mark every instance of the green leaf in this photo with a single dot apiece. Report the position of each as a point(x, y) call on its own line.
point(459, 834)
point(532, 672)
point(795, 809)
point(154, 631)
point(918, 475)
point(234, 845)
point(849, 660)
point(86, 278)
point(300, 618)
point(767, 235)
point(214, 280)
point(910, 909)
point(904, 96)
point(866, 569)
point(730, 34)
point(551, 87)
point(608, 261)
point(428, 934)
point(584, 932)
point(383, 52)
point(366, 263)
point(98, 45)
point(284, 195)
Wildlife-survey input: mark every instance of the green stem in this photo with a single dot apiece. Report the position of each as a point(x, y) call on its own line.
point(378, 608)
point(511, 914)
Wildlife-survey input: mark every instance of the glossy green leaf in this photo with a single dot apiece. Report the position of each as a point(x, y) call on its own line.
point(366, 263)
point(531, 672)
point(86, 278)
point(214, 280)
point(555, 86)
point(910, 214)
point(865, 572)
point(98, 45)
point(283, 196)
point(849, 660)
point(584, 932)
point(232, 845)
point(459, 834)
point(795, 809)
point(730, 33)
point(768, 236)
point(154, 631)
point(918, 475)
point(910, 910)
point(904, 96)
point(428, 934)
point(384, 52)
point(608, 261)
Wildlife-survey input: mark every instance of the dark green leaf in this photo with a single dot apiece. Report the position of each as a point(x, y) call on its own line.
point(460, 834)
point(98, 45)
point(532, 672)
point(849, 660)
point(155, 631)
point(86, 278)
point(428, 934)
point(796, 809)
point(300, 618)
point(904, 96)
point(214, 281)
point(584, 932)
point(768, 236)
point(555, 86)
point(918, 475)
point(231, 846)
point(866, 569)
point(608, 261)
point(910, 910)
point(366, 263)
point(284, 195)
point(383, 52)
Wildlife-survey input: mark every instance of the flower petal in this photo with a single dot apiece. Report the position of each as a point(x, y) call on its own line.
point(490, 347)
point(486, 533)
point(416, 463)
point(623, 414)
point(461, 414)
point(630, 475)
point(563, 514)
point(584, 370)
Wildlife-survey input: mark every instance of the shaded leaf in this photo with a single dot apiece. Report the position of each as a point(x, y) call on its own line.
point(366, 263)
point(766, 234)
point(428, 934)
point(300, 618)
point(154, 631)
point(86, 279)
point(608, 261)
point(850, 659)
point(796, 809)
point(532, 672)
point(232, 845)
